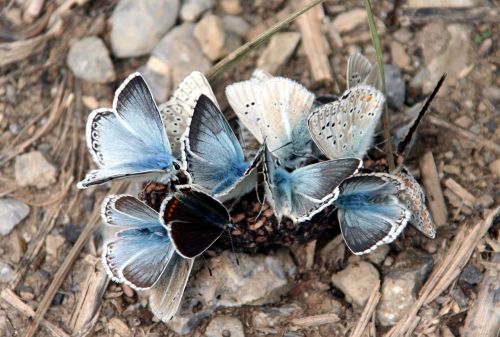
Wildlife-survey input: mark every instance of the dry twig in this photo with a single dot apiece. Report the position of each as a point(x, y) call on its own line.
point(430, 179)
point(368, 311)
point(315, 320)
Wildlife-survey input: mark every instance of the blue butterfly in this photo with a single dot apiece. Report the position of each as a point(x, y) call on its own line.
point(138, 252)
point(128, 140)
point(212, 155)
point(370, 211)
point(306, 191)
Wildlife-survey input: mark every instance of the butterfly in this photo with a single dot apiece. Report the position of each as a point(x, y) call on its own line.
point(414, 197)
point(212, 155)
point(345, 128)
point(194, 220)
point(177, 112)
point(128, 140)
point(369, 212)
point(275, 110)
point(138, 252)
point(361, 71)
point(306, 191)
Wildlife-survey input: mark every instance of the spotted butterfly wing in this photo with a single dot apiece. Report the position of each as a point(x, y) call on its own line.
point(346, 127)
point(129, 139)
point(361, 71)
point(369, 211)
point(177, 112)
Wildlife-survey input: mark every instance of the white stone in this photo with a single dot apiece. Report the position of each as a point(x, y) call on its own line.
point(138, 25)
point(278, 51)
point(347, 21)
point(214, 40)
point(222, 326)
point(89, 60)
point(191, 10)
point(357, 281)
point(32, 169)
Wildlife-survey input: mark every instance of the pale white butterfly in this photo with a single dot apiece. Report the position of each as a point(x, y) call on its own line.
point(275, 110)
point(361, 71)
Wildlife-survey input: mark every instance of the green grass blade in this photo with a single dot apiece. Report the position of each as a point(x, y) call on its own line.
point(380, 62)
point(233, 58)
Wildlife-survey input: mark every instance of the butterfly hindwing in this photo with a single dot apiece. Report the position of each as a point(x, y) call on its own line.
point(136, 245)
point(194, 220)
point(369, 212)
point(165, 297)
point(345, 128)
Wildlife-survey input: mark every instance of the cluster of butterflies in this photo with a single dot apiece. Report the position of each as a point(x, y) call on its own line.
point(154, 250)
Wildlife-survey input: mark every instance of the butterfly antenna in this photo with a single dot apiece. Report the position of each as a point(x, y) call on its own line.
point(282, 146)
point(206, 264)
point(261, 208)
point(402, 147)
point(232, 248)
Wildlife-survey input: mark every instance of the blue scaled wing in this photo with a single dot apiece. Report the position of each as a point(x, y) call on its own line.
point(136, 245)
point(130, 139)
point(212, 155)
point(369, 211)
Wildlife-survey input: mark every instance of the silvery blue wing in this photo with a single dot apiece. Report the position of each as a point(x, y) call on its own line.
point(370, 213)
point(346, 127)
point(212, 155)
point(306, 191)
point(275, 110)
point(137, 251)
point(194, 220)
point(177, 112)
point(128, 140)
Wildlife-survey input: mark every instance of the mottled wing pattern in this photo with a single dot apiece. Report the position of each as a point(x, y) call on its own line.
point(179, 109)
point(414, 197)
point(358, 68)
point(345, 128)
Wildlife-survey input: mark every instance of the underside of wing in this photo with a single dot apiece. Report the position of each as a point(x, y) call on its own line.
point(179, 109)
point(345, 128)
point(358, 68)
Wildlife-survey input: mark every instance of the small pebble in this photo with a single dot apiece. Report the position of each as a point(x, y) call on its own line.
point(471, 275)
point(129, 292)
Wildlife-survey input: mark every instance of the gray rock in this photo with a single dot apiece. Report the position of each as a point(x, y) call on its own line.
point(181, 52)
point(159, 81)
point(89, 60)
point(471, 275)
point(396, 87)
point(12, 212)
point(32, 169)
point(271, 317)
point(259, 279)
point(401, 285)
point(223, 326)
point(278, 51)
point(235, 24)
point(191, 10)
point(138, 25)
point(357, 281)
point(215, 41)
point(349, 20)
point(378, 256)
point(6, 272)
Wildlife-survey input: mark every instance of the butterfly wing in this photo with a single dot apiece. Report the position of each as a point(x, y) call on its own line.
point(414, 197)
point(245, 100)
point(179, 109)
point(315, 187)
point(165, 297)
point(194, 220)
point(369, 212)
point(128, 140)
point(211, 153)
point(345, 128)
point(358, 68)
point(136, 245)
point(278, 191)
